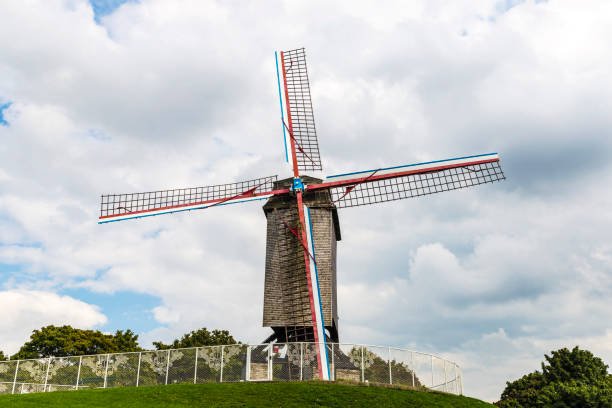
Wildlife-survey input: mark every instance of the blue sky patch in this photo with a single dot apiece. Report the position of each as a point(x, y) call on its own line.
point(23, 244)
point(103, 8)
point(124, 310)
point(98, 135)
point(508, 4)
point(3, 107)
point(8, 268)
point(154, 234)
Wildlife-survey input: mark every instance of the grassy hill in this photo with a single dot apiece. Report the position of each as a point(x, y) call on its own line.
point(295, 394)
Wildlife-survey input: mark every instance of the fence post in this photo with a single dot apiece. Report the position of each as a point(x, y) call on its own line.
point(390, 375)
point(432, 372)
point(248, 363)
point(445, 381)
point(412, 365)
point(456, 379)
point(460, 381)
point(221, 374)
point(195, 368)
point(362, 371)
point(79, 372)
point(138, 369)
point(301, 361)
point(106, 370)
point(167, 366)
point(333, 363)
point(269, 361)
point(47, 374)
point(15, 377)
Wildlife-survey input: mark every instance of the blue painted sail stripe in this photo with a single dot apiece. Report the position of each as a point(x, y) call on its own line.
point(181, 210)
point(410, 165)
point(280, 98)
point(319, 291)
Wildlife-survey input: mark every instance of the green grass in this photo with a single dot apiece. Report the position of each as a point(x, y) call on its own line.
point(296, 394)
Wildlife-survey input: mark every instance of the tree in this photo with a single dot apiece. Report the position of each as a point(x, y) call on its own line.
point(2, 356)
point(62, 341)
point(576, 395)
point(576, 365)
point(198, 338)
point(569, 379)
point(522, 392)
point(126, 341)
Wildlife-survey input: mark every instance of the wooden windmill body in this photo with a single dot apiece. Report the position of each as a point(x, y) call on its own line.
point(286, 306)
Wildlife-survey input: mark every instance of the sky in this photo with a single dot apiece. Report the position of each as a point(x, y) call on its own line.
point(113, 97)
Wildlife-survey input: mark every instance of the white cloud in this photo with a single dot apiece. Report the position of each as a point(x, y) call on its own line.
point(164, 315)
point(27, 310)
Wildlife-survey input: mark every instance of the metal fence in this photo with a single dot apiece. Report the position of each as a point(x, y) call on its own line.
point(231, 363)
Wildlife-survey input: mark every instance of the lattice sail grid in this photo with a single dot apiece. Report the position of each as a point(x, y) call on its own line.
point(300, 107)
point(118, 204)
point(414, 185)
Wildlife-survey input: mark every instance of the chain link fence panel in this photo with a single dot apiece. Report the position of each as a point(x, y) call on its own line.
point(234, 363)
point(258, 363)
point(92, 371)
point(347, 362)
point(376, 366)
point(182, 366)
point(30, 377)
point(310, 366)
point(422, 369)
point(438, 374)
point(61, 373)
point(209, 364)
point(286, 362)
point(153, 365)
point(7, 376)
point(451, 381)
point(122, 370)
point(402, 372)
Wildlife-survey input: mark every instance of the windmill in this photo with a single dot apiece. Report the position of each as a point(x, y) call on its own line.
point(300, 301)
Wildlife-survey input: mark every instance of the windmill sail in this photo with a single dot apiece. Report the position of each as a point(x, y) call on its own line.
point(118, 207)
point(397, 183)
point(299, 124)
